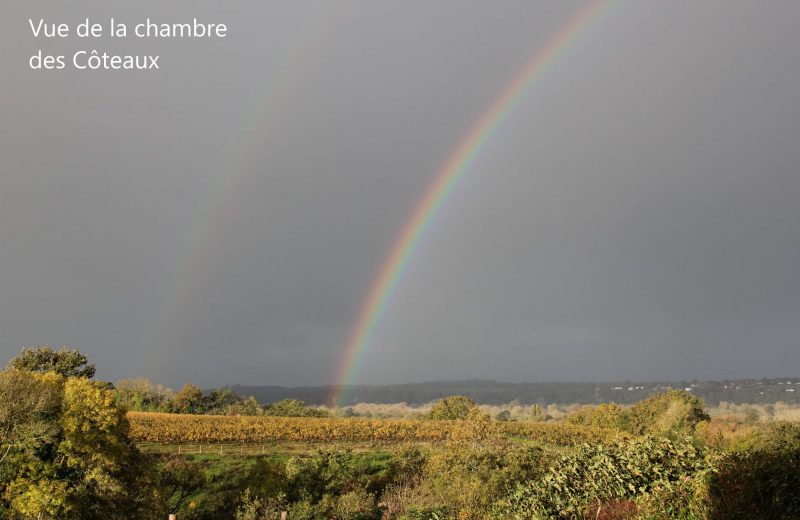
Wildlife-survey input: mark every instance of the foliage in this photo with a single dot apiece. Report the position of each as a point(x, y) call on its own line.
point(456, 480)
point(357, 504)
point(673, 412)
point(68, 452)
point(246, 406)
point(253, 507)
point(452, 408)
point(606, 415)
point(331, 483)
point(188, 399)
point(178, 480)
point(29, 407)
point(596, 473)
point(292, 408)
point(688, 498)
point(142, 395)
point(66, 362)
point(760, 477)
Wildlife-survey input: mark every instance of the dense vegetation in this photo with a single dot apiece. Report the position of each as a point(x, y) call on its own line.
point(69, 450)
point(143, 396)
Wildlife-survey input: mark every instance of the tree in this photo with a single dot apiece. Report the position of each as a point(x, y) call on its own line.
point(453, 407)
point(188, 399)
point(247, 406)
point(65, 449)
point(65, 361)
point(218, 401)
point(141, 395)
point(293, 408)
point(27, 407)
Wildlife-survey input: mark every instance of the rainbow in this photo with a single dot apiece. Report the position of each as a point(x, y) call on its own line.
point(434, 197)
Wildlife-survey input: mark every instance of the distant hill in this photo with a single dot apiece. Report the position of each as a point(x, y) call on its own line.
point(493, 392)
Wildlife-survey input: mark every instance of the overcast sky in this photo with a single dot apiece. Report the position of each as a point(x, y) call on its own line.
point(636, 216)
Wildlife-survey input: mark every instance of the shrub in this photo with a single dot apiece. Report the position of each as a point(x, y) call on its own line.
point(596, 473)
point(462, 480)
point(673, 412)
point(602, 416)
point(256, 508)
point(453, 407)
point(760, 477)
point(357, 504)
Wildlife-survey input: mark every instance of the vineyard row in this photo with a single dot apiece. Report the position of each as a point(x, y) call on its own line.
point(177, 428)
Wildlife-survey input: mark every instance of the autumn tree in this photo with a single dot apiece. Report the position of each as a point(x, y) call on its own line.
point(65, 448)
point(65, 361)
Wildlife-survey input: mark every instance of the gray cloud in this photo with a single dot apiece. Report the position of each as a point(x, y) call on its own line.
point(221, 219)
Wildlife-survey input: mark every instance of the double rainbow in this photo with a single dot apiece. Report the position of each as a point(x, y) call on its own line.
point(457, 164)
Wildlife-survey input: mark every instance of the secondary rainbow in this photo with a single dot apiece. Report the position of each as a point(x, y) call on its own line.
point(457, 164)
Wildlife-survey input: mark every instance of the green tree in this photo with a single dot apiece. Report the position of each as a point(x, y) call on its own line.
point(66, 362)
point(453, 407)
point(67, 452)
point(188, 399)
point(218, 401)
point(141, 395)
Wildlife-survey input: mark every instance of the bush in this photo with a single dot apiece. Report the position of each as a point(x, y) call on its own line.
point(602, 416)
point(356, 505)
point(460, 480)
point(673, 412)
point(453, 407)
point(256, 508)
point(600, 474)
point(760, 477)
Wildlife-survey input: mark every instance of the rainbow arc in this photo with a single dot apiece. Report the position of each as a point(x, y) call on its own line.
point(458, 163)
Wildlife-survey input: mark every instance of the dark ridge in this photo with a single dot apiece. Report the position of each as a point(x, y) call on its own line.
point(492, 392)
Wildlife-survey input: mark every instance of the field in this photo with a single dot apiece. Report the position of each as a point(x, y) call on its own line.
point(214, 429)
point(663, 458)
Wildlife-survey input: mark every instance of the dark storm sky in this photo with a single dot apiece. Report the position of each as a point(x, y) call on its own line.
point(636, 216)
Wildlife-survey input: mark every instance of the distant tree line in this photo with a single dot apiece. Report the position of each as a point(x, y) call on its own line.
point(141, 395)
point(739, 391)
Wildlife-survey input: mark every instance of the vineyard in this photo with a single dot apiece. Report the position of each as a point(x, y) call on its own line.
point(181, 428)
